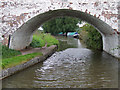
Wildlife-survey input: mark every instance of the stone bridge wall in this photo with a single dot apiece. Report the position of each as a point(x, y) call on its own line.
point(14, 13)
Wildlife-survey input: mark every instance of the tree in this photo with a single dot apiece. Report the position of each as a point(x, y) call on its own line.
point(61, 24)
point(91, 37)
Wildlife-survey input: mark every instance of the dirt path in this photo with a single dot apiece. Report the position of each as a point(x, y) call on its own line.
point(44, 50)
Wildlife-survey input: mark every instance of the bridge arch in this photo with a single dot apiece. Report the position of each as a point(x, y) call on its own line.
point(23, 36)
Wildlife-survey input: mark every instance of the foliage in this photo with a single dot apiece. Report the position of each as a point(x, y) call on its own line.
point(10, 62)
point(7, 53)
point(91, 37)
point(64, 24)
point(40, 39)
point(0, 51)
point(50, 40)
point(37, 41)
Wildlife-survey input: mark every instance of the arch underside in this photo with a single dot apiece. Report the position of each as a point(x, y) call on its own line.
point(23, 36)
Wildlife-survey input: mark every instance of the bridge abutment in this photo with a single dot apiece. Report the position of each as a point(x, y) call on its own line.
point(111, 44)
point(119, 46)
point(118, 29)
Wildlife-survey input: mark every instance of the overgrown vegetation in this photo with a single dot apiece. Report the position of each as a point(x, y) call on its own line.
point(0, 51)
point(8, 53)
point(40, 39)
point(61, 24)
point(91, 37)
point(37, 41)
point(10, 62)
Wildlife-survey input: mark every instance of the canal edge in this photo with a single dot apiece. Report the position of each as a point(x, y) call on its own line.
point(13, 70)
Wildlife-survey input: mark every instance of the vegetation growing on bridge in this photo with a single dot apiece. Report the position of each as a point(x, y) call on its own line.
point(91, 37)
point(41, 39)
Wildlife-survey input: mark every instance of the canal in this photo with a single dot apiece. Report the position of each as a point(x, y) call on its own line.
point(72, 66)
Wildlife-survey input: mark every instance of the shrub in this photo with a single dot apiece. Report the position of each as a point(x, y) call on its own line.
point(50, 40)
point(37, 41)
point(40, 39)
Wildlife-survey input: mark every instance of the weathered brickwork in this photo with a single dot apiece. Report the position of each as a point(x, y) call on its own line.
point(14, 13)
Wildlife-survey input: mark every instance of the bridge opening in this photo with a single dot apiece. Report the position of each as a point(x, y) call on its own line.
point(63, 27)
point(23, 36)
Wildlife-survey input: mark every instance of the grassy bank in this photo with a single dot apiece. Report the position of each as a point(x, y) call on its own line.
point(91, 37)
point(12, 57)
point(8, 53)
point(40, 39)
point(13, 61)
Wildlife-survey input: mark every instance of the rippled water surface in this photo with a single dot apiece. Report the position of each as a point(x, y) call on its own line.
point(75, 67)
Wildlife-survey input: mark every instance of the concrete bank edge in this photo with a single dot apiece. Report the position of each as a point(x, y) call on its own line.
point(11, 71)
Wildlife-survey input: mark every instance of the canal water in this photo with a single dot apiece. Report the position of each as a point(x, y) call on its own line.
point(73, 66)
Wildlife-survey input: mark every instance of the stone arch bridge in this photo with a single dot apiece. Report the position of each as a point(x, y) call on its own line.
point(21, 18)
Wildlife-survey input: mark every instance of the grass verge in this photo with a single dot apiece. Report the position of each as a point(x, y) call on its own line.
point(10, 62)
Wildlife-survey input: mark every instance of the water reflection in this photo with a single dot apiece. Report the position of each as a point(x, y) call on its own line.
point(69, 42)
point(71, 68)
